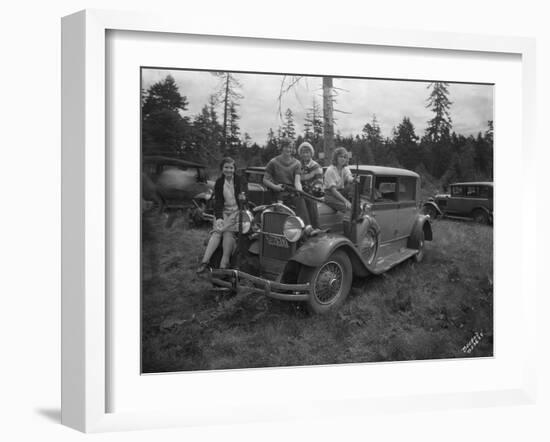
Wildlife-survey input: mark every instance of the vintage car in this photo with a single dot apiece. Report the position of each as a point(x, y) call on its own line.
point(282, 258)
point(472, 200)
point(177, 186)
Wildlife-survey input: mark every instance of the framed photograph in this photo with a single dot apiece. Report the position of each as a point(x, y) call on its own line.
point(281, 223)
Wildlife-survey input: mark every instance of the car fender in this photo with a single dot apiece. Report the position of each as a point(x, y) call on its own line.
point(317, 250)
point(421, 225)
point(434, 205)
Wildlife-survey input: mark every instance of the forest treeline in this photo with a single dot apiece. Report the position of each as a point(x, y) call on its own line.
point(438, 154)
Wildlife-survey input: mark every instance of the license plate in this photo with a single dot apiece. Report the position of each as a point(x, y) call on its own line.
point(277, 241)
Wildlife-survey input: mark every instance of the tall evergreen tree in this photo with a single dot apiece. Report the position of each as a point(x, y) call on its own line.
point(437, 138)
point(206, 135)
point(372, 135)
point(271, 146)
point(233, 139)
point(362, 150)
point(164, 129)
point(405, 141)
point(484, 153)
point(466, 158)
point(227, 94)
point(216, 129)
point(164, 95)
point(489, 133)
point(313, 125)
point(289, 129)
point(439, 127)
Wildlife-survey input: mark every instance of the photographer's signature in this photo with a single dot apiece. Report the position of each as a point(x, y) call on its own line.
point(472, 343)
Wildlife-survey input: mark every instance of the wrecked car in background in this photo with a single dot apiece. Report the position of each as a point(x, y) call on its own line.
point(177, 187)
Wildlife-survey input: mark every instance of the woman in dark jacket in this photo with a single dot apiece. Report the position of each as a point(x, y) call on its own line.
point(226, 214)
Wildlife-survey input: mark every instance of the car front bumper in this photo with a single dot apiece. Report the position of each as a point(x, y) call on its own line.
point(238, 280)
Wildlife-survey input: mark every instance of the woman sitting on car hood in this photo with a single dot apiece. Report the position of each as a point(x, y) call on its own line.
point(227, 189)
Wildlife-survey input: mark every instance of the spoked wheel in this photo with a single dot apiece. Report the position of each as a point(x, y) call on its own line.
point(331, 282)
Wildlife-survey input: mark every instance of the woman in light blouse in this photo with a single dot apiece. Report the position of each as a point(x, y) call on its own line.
point(337, 176)
point(226, 213)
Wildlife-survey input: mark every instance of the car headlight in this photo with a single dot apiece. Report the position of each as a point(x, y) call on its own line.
point(246, 221)
point(293, 228)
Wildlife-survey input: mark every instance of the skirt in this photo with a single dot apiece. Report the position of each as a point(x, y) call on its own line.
point(230, 221)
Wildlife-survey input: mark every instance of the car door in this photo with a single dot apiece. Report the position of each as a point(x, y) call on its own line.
point(456, 200)
point(407, 209)
point(385, 205)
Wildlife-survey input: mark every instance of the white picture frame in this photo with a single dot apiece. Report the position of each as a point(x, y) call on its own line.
point(85, 234)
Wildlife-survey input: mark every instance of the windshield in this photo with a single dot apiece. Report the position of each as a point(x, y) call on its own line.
point(366, 186)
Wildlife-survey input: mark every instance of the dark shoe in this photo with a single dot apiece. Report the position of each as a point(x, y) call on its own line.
point(202, 268)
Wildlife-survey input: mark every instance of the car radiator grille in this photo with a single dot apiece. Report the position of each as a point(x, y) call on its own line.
point(275, 250)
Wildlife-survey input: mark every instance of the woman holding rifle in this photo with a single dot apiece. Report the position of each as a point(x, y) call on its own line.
point(283, 173)
point(337, 177)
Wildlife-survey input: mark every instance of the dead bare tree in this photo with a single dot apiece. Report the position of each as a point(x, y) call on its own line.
point(288, 83)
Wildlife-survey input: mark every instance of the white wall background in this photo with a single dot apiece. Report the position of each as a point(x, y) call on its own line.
point(30, 215)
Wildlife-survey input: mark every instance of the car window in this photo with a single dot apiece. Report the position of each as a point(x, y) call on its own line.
point(385, 188)
point(457, 191)
point(407, 189)
point(483, 192)
point(471, 191)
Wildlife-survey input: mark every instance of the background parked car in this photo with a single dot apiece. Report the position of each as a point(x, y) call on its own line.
point(473, 200)
point(178, 186)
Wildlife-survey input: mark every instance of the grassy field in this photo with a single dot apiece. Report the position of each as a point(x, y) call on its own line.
point(440, 308)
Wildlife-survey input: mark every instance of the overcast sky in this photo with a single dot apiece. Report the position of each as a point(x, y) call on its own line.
point(389, 100)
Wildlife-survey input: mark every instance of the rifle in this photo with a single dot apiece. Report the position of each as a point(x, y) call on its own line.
point(292, 189)
point(356, 200)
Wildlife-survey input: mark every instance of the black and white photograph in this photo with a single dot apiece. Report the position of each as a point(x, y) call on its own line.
point(297, 220)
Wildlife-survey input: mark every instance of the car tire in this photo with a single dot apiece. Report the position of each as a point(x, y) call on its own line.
point(480, 217)
point(430, 211)
point(421, 244)
point(331, 282)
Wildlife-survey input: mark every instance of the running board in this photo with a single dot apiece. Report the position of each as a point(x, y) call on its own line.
point(387, 262)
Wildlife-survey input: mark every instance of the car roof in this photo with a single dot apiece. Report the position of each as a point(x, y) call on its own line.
point(171, 161)
point(255, 169)
point(365, 168)
point(474, 183)
point(382, 170)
